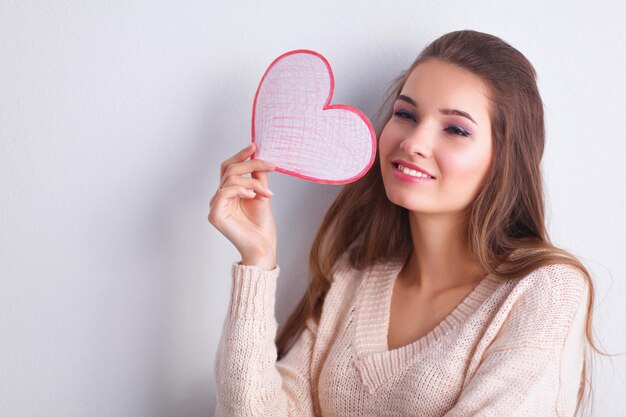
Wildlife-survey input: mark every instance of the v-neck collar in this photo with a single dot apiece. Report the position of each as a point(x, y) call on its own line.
point(374, 360)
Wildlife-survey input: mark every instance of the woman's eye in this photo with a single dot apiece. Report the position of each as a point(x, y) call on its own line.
point(403, 114)
point(458, 131)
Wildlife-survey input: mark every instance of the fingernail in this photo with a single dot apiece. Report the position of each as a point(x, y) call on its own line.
point(269, 191)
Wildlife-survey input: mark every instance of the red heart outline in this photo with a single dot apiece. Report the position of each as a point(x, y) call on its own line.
point(326, 106)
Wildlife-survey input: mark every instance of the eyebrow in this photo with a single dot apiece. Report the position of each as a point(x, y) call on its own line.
point(442, 111)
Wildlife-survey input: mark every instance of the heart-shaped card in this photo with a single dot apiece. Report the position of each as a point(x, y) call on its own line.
point(295, 127)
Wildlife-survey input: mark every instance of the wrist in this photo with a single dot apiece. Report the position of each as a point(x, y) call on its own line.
point(267, 264)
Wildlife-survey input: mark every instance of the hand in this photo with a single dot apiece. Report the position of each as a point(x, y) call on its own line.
point(240, 209)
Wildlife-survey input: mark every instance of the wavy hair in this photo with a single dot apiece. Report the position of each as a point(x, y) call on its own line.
point(506, 229)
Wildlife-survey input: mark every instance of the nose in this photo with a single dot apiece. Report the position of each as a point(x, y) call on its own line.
point(417, 143)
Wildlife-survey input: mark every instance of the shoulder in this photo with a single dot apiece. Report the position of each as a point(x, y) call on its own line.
point(542, 306)
point(345, 278)
point(345, 281)
point(342, 265)
point(552, 287)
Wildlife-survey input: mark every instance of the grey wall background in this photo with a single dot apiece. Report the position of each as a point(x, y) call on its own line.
point(115, 116)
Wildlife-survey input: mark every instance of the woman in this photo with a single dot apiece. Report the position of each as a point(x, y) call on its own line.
point(435, 290)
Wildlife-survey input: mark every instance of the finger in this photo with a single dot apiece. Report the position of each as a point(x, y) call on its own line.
point(234, 191)
point(242, 155)
point(252, 183)
point(262, 178)
point(246, 167)
point(213, 199)
point(224, 194)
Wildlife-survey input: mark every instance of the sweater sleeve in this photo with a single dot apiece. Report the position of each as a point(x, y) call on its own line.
point(249, 380)
point(533, 367)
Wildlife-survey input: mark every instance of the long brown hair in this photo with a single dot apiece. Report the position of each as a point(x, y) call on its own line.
point(507, 215)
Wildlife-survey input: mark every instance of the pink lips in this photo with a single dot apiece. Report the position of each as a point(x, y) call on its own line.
point(411, 166)
point(407, 178)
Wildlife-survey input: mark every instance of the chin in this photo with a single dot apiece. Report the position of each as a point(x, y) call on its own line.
point(407, 202)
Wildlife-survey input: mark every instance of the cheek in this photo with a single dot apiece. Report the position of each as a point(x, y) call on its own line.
point(466, 167)
point(384, 143)
point(390, 137)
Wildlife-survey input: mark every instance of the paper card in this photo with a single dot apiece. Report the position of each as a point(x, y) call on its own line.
point(295, 127)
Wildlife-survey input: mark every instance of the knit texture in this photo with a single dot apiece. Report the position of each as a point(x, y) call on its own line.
point(510, 348)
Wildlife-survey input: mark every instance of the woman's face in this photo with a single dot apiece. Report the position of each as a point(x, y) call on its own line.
point(428, 131)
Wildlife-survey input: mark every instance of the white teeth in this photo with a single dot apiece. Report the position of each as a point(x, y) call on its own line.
point(412, 172)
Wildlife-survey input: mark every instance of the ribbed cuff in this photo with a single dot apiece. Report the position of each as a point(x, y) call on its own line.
point(253, 292)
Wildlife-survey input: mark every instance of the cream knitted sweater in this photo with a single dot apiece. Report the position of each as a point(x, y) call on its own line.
point(510, 348)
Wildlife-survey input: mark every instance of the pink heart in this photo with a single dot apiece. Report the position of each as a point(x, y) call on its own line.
point(295, 126)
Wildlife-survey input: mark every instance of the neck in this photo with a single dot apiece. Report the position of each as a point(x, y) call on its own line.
point(440, 257)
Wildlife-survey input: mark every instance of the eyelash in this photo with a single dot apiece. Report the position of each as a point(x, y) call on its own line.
point(406, 115)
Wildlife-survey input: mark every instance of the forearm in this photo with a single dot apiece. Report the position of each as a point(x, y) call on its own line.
point(249, 380)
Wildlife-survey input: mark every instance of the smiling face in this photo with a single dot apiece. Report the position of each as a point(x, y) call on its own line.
point(428, 131)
